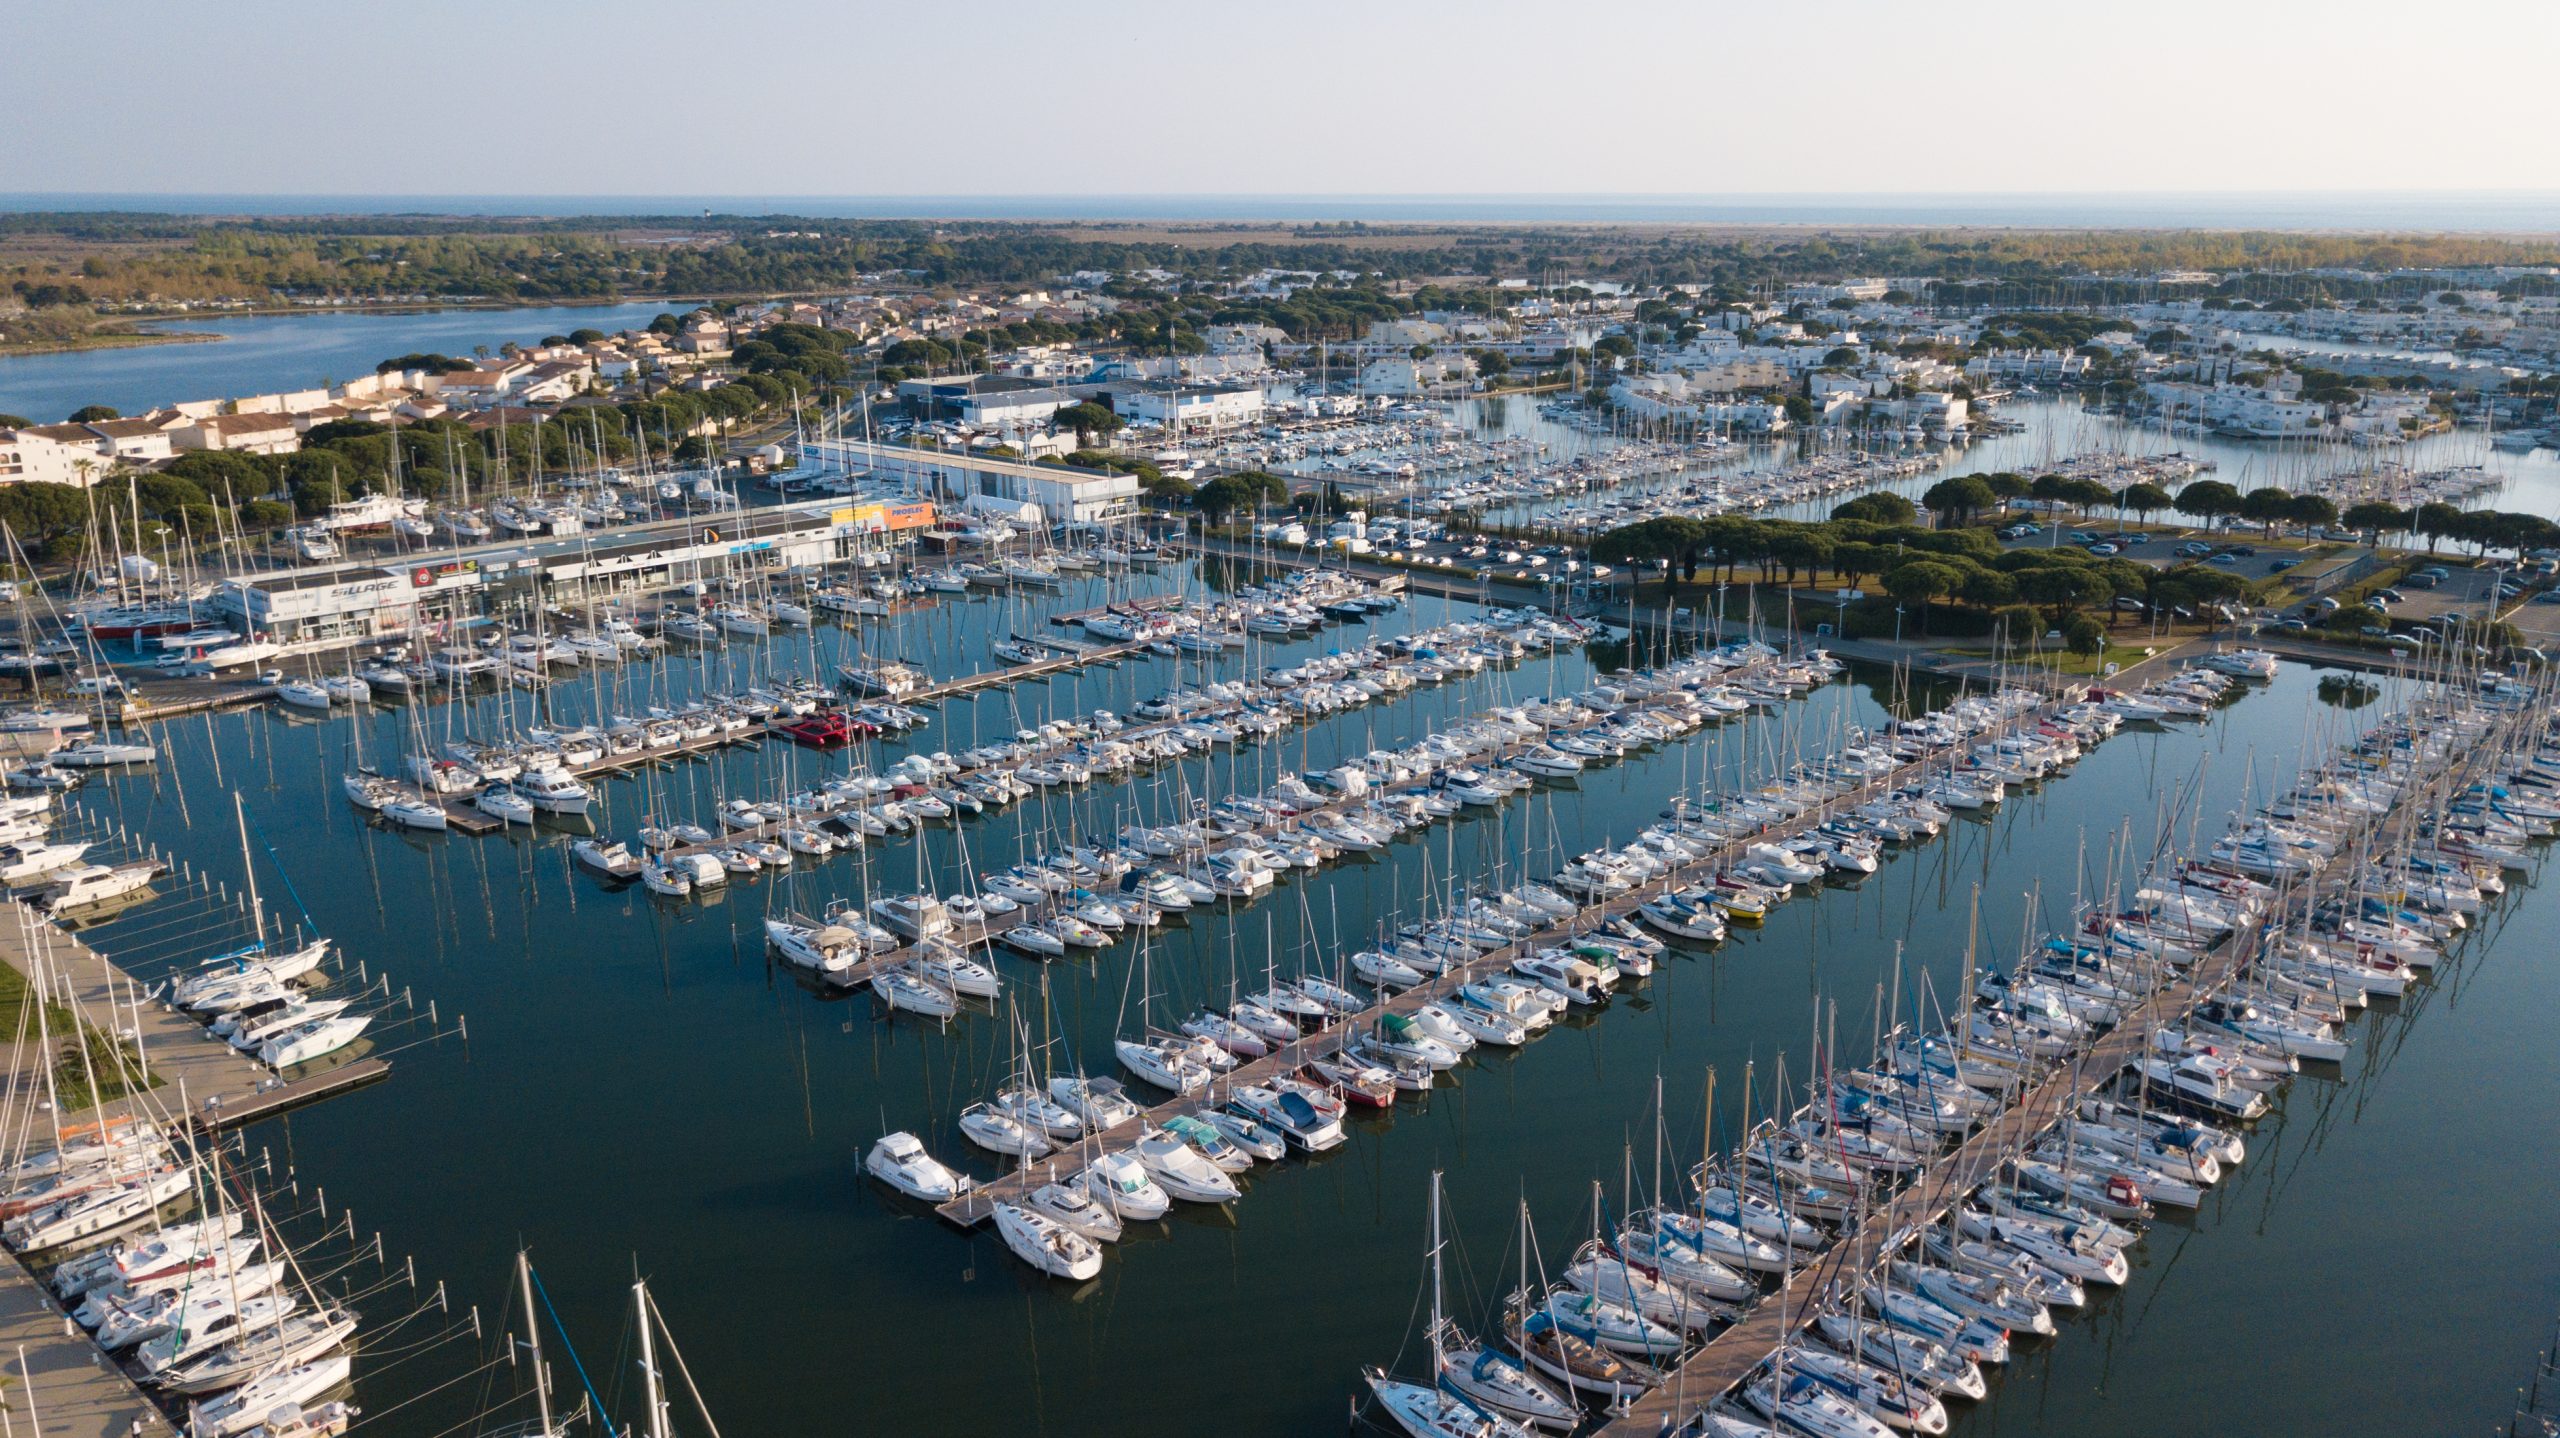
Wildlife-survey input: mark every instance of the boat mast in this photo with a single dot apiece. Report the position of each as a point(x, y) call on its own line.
point(249, 868)
point(651, 1393)
point(533, 1339)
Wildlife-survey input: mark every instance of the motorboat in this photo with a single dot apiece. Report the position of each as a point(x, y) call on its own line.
point(1123, 1184)
point(899, 1160)
point(1046, 1244)
point(1180, 1170)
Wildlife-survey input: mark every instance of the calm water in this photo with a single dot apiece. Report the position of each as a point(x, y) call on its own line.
point(642, 1091)
point(262, 354)
point(2057, 427)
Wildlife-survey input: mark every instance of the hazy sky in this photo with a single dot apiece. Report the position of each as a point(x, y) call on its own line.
point(1336, 97)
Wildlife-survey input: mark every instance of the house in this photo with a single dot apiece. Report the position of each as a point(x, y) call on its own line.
point(488, 384)
point(40, 454)
point(241, 433)
point(553, 381)
point(133, 441)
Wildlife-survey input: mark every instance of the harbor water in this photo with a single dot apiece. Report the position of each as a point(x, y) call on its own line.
point(643, 1091)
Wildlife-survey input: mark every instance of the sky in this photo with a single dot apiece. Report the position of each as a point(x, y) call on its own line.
point(1308, 97)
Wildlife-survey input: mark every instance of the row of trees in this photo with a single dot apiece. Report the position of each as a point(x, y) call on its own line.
point(1967, 499)
point(1919, 568)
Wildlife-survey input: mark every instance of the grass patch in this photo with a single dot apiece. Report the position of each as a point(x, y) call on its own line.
point(117, 1066)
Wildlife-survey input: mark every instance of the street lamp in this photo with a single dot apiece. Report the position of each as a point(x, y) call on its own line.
point(1897, 624)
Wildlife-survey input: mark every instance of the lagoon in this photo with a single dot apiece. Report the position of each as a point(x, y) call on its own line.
point(261, 354)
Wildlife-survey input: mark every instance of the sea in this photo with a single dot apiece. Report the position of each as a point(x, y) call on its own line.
point(2526, 211)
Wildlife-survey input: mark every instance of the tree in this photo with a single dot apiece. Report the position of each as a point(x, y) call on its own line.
point(1087, 420)
point(2016, 626)
point(1797, 545)
point(1799, 410)
point(2086, 494)
point(2266, 506)
point(1959, 500)
point(92, 413)
point(2312, 511)
point(2084, 636)
point(1880, 507)
point(1920, 580)
point(2208, 500)
point(2373, 518)
point(1987, 588)
point(2436, 520)
point(1247, 489)
point(2060, 589)
point(2144, 500)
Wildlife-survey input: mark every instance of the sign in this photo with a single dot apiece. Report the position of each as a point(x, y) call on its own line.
point(425, 575)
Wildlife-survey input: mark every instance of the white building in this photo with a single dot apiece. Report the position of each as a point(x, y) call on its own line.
point(45, 454)
point(1677, 398)
point(248, 433)
point(1191, 407)
point(1406, 376)
point(971, 481)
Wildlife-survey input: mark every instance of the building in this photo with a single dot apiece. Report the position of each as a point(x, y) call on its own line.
point(1675, 398)
point(46, 454)
point(990, 401)
point(1190, 407)
point(133, 441)
point(438, 595)
point(1405, 376)
point(985, 484)
point(244, 433)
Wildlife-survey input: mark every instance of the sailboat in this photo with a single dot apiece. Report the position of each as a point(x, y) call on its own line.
point(1483, 1376)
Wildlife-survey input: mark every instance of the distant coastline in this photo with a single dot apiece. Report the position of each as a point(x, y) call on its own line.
point(2484, 212)
point(117, 340)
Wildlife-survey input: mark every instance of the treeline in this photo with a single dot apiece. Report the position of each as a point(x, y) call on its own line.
point(183, 257)
point(1959, 580)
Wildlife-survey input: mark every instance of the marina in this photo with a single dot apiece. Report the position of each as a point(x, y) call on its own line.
point(1098, 815)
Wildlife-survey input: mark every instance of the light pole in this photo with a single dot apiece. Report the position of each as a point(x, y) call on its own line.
point(1897, 624)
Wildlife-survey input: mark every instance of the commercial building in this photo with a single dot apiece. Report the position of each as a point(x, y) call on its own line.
point(974, 482)
point(438, 594)
point(1190, 406)
point(992, 401)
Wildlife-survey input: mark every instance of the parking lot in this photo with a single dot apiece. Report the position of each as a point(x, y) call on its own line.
point(2240, 555)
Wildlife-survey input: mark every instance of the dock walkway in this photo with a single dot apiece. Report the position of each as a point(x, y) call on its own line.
point(56, 1377)
point(978, 1204)
point(221, 1087)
